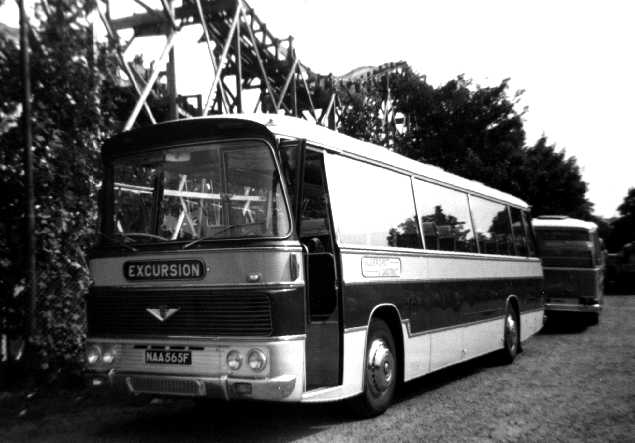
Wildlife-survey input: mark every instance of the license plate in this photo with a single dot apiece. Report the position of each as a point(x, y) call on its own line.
point(169, 357)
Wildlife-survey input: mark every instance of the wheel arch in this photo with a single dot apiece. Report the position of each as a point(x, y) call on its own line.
point(389, 313)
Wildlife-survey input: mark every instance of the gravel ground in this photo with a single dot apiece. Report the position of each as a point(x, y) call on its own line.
point(571, 383)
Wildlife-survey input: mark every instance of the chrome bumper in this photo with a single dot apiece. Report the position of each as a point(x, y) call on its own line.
point(573, 307)
point(208, 374)
point(221, 387)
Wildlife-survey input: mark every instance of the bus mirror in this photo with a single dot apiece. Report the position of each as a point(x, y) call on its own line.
point(177, 157)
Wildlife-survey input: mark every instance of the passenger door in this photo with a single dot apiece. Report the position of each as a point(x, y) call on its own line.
point(316, 235)
point(304, 170)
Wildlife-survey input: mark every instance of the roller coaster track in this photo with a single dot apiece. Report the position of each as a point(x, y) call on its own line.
point(245, 55)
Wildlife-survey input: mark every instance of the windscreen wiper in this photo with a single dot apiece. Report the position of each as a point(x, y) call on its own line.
point(210, 237)
point(120, 241)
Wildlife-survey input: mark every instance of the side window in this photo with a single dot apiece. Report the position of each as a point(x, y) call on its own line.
point(372, 206)
point(597, 248)
point(520, 235)
point(289, 151)
point(314, 220)
point(445, 217)
point(133, 197)
point(529, 232)
point(493, 228)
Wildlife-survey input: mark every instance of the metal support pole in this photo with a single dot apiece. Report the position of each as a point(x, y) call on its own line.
point(385, 119)
point(31, 319)
point(122, 62)
point(169, 12)
point(327, 112)
point(171, 72)
point(287, 82)
point(171, 69)
point(308, 94)
point(153, 78)
point(261, 65)
point(239, 73)
point(223, 59)
point(201, 16)
point(294, 84)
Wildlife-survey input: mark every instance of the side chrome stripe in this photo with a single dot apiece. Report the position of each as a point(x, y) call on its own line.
point(440, 268)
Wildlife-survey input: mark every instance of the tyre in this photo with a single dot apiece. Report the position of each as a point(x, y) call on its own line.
point(511, 335)
point(380, 372)
point(593, 318)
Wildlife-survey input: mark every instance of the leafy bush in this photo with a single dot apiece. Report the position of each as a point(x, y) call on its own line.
point(70, 118)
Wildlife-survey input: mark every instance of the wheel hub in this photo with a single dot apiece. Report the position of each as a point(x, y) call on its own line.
point(380, 367)
point(512, 333)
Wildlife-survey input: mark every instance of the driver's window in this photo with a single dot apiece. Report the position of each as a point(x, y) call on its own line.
point(315, 230)
point(133, 198)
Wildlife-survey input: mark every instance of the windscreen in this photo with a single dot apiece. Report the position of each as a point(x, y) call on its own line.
point(208, 191)
point(565, 247)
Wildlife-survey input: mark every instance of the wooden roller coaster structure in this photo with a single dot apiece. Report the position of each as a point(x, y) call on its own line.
point(244, 54)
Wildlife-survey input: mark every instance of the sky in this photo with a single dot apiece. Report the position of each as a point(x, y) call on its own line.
point(574, 60)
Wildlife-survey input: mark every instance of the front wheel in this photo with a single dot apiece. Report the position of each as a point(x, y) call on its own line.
point(511, 335)
point(380, 372)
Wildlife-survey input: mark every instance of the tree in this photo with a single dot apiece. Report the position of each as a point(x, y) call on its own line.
point(79, 99)
point(475, 132)
point(551, 183)
point(624, 226)
point(70, 118)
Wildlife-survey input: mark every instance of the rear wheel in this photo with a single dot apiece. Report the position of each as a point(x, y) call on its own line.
point(511, 335)
point(380, 372)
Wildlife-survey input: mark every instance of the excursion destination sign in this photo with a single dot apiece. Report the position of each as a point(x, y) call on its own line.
point(164, 270)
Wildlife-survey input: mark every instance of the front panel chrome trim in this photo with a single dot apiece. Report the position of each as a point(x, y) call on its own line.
point(557, 268)
point(355, 329)
point(573, 307)
point(199, 341)
point(326, 395)
point(275, 388)
point(291, 248)
point(267, 286)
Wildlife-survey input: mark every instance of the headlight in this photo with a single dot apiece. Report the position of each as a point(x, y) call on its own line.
point(93, 354)
point(234, 360)
point(257, 360)
point(109, 355)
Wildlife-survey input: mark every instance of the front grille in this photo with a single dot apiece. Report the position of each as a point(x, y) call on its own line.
point(200, 313)
point(167, 386)
point(560, 283)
